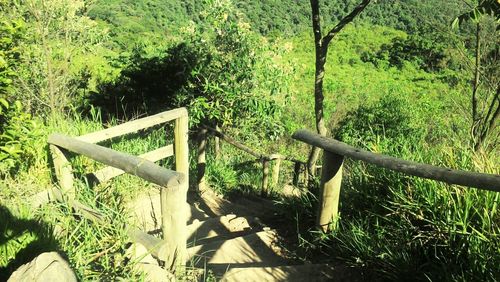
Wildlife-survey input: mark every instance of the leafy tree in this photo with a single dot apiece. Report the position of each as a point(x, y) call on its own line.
point(429, 51)
point(10, 34)
point(225, 57)
point(485, 104)
point(16, 125)
point(321, 50)
point(58, 35)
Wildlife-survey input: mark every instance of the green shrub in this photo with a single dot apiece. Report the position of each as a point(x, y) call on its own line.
point(222, 177)
point(391, 118)
point(18, 131)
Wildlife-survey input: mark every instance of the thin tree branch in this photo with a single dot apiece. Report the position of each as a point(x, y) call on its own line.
point(487, 128)
point(492, 105)
point(343, 22)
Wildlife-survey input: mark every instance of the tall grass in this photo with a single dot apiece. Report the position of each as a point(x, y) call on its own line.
point(404, 228)
point(417, 228)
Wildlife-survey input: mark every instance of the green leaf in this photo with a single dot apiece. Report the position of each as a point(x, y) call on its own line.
point(4, 103)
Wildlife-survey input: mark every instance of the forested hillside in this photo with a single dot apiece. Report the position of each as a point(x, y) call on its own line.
point(269, 18)
point(417, 80)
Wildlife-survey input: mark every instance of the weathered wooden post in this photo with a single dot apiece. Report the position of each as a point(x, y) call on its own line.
point(202, 147)
point(174, 201)
point(63, 171)
point(173, 213)
point(265, 177)
point(296, 173)
point(217, 143)
point(181, 149)
point(331, 179)
point(276, 170)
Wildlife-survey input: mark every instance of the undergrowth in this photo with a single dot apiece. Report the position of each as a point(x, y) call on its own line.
point(402, 227)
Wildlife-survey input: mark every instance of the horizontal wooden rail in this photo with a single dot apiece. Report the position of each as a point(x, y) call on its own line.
point(248, 149)
point(128, 163)
point(109, 172)
point(483, 181)
point(133, 126)
point(235, 143)
point(265, 159)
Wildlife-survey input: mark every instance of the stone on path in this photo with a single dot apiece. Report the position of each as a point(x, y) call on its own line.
point(48, 266)
point(145, 263)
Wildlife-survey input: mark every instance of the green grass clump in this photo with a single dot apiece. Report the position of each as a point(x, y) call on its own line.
point(417, 228)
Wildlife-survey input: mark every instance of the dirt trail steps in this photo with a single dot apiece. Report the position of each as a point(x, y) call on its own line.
point(230, 240)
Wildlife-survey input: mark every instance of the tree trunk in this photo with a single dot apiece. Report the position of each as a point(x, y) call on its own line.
point(320, 55)
point(217, 143)
point(318, 108)
point(489, 121)
point(476, 122)
point(321, 50)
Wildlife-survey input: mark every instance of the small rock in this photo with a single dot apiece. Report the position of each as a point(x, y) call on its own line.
point(139, 253)
point(58, 230)
point(146, 264)
point(154, 273)
point(48, 266)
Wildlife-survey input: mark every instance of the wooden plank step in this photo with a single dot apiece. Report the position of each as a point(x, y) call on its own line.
point(298, 273)
point(223, 227)
point(256, 249)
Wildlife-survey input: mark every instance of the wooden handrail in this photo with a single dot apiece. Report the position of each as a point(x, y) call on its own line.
point(128, 163)
point(248, 150)
point(133, 126)
point(174, 184)
point(265, 159)
point(483, 181)
point(109, 172)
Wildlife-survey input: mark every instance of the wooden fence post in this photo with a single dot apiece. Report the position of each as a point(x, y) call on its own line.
point(202, 147)
point(217, 143)
point(181, 149)
point(276, 171)
point(174, 218)
point(331, 179)
point(174, 200)
point(296, 173)
point(265, 177)
point(63, 171)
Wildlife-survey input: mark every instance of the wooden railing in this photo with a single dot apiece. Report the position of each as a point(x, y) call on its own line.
point(264, 158)
point(174, 184)
point(331, 177)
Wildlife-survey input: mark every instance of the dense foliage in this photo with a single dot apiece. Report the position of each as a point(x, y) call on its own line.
point(277, 18)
